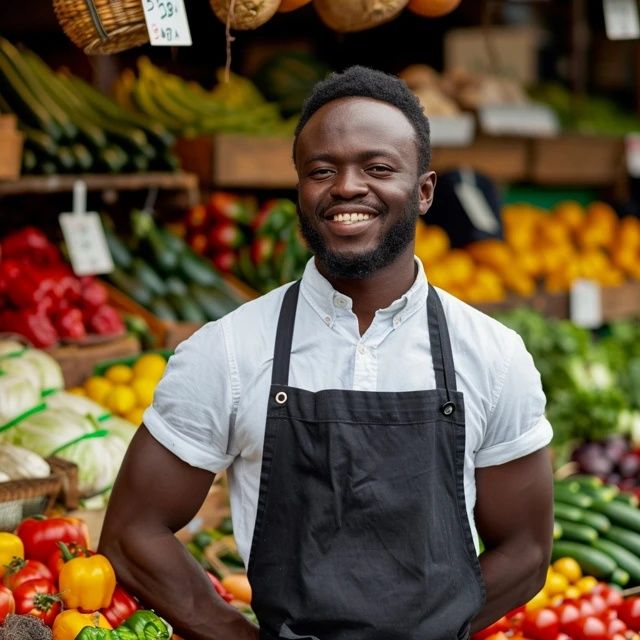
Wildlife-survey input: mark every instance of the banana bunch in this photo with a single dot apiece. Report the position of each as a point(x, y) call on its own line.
point(189, 110)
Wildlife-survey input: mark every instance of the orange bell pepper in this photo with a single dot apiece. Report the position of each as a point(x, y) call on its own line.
point(70, 623)
point(87, 583)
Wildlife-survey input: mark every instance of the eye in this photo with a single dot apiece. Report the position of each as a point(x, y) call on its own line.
point(379, 170)
point(321, 173)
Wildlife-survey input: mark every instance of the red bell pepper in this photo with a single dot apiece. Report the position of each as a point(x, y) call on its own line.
point(196, 218)
point(93, 293)
point(231, 207)
point(31, 323)
point(105, 321)
point(123, 606)
point(64, 553)
point(70, 324)
point(28, 241)
point(220, 590)
point(40, 535)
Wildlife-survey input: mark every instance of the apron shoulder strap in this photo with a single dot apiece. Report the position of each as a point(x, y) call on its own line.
point(441, 352)
point(284, 336)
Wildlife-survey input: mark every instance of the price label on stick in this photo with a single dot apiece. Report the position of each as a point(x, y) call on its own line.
point(167, 23)
point(84, 236)
point(621, 19)
point(585, 304)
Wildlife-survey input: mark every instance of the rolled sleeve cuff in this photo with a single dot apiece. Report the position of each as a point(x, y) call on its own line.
point(193, 453)
point(532, 440)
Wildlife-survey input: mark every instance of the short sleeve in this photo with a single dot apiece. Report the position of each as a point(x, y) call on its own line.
point(192, 406)
point(517, 425)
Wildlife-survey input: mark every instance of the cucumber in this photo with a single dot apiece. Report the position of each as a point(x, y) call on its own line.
point(630, 540)
point(186, 309)
point(592, 561)
point(161, 255)
point(130, 286)
point(586, 481)
point(622, 557)
point(176, 287)
point(213, 303)
point(143, 273)
point(599, 522)
point(574, 487)
point(627, 498)
point(557, 530)
point(567, 512)
point(620, 514)
point(605, 493)
point(620, 577)
point(564, 494)
point(122, 257)
point(162, 309)
point(194, 269)
point(577, 532)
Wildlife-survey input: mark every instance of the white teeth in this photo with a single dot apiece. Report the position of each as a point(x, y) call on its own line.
point(348, 218)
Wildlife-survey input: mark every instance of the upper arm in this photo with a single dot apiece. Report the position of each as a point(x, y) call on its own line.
point(514, 502)
point(154, 489)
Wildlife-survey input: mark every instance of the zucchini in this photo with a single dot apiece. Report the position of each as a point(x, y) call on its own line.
point(176, 287)
point(119, 252)
point(620, 577)
point(620, 514)
point(130, 286)
point(574, 487)
point(622, 557)
point(142, 272)
point(187, 309)
point(630, 540)
point(564, 494)
point(557, 530)
point(577, 532)
point(592, 561)
point(162, 309)
point(212, 302)
point(162, 256)
point(567, 512)
point(627, 498)
point(194, 269)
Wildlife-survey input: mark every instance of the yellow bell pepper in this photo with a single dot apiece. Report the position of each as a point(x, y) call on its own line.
point(10, 547)
point(87, 583)
point(71, 622)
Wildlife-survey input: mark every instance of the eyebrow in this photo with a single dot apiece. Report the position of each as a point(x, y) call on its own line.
point(364, 155)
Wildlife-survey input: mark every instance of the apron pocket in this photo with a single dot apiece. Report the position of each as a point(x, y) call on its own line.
point(286, 633)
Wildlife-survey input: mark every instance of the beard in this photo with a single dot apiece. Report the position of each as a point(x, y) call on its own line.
point(358, 265)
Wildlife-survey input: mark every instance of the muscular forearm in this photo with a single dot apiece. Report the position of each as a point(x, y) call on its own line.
point(154, 565)
point(511, 576)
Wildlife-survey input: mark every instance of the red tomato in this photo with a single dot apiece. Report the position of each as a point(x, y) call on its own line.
point(7, 603)
point(541, 624)
point(498, 636)
point(20, 571)
point(629, 613)
point(121, 608)
point(568, 615)
point(613, 598)
point(592, 628)
point(586, 608)
point(598, 603)
point(563, 636)
point(41, 535)
point(38, 598)
point(616, 626)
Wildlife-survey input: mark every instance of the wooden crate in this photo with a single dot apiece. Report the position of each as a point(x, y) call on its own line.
point(11, 141)
point(619, 303)
point(577, 160)
point(238, 161)
point(77, 361)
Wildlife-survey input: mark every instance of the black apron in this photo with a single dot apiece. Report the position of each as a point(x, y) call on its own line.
point(361, 531)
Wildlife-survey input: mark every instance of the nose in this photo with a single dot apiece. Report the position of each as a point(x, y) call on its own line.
point(349, 183)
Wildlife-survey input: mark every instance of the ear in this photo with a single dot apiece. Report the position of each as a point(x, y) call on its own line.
point(427, 187)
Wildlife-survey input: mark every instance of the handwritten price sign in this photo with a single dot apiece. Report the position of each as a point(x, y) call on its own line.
point(167, 23)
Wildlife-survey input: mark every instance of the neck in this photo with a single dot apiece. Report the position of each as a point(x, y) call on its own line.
point(377, 291)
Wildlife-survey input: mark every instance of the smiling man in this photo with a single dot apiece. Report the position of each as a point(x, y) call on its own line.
point(371, 426)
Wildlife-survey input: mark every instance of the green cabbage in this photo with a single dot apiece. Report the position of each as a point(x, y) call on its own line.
point(78, 404)
point(17, 396)
point(120, 427)
point(50, 371)
point(19, 368)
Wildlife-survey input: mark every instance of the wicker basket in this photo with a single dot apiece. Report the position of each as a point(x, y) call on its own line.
point(102, 26)
point(22, 498)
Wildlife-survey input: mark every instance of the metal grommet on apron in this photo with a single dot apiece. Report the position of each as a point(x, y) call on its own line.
point(361, 530)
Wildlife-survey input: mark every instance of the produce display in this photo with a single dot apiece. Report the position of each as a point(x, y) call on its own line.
point(540, 248)
point(188, 110)
point(260, 246)
point(126, 390)
point(42, 300)
point(160, 272)
point(70, 127)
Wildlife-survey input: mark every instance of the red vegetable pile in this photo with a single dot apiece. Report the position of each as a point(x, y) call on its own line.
point(41, 298)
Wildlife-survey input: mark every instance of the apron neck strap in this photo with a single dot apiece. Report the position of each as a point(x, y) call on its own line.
point(284, 336)
point(441, 353)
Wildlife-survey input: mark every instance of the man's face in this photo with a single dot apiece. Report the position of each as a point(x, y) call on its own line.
point(359, 192)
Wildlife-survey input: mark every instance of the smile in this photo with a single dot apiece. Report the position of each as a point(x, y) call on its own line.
point(350, 218)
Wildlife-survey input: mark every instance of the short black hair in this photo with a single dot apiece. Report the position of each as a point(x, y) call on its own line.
point(363, 82)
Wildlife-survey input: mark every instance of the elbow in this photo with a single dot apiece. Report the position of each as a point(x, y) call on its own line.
point(537, 568)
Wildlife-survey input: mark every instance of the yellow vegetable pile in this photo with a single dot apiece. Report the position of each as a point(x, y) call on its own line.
point(126, 390)
point(564, 580)
point(548, 248)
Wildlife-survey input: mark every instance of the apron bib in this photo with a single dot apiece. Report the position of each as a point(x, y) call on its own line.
point(361, 531)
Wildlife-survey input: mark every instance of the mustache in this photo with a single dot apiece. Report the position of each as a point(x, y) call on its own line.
point(376, 206)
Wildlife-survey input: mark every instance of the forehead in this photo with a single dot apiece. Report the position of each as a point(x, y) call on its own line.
point(350, 125)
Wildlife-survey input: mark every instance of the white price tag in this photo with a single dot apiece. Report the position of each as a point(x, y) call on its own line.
point(632, 153)
point(533, 119)
point(167, 23)
point(585, 304)
point(84, 236)
point(475, 204)
point(621, 19)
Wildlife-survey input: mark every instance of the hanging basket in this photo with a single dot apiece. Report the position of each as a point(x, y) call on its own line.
point(102, 26)
point(357, 15)
point(245, 14)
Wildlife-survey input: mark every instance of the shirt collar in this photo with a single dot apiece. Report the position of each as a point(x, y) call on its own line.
point(327, 302)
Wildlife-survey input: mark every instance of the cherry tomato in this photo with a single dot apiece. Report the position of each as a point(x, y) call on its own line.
point(586, 608)
point(7, 603)
point(592, 628)
point(541, 624)
point(629, 613)
point(616, 626)
point(613, 598)
point(20, 571)
point(598, 603)
point(568, 615)
point(38, 598)
point(563, 636)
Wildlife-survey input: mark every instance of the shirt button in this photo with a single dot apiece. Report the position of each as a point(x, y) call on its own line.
point(340, 302)
point(397, 320)
point(361, 350)
point(327, 319)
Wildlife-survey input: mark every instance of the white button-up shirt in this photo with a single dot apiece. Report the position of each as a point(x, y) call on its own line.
point(210, 407)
